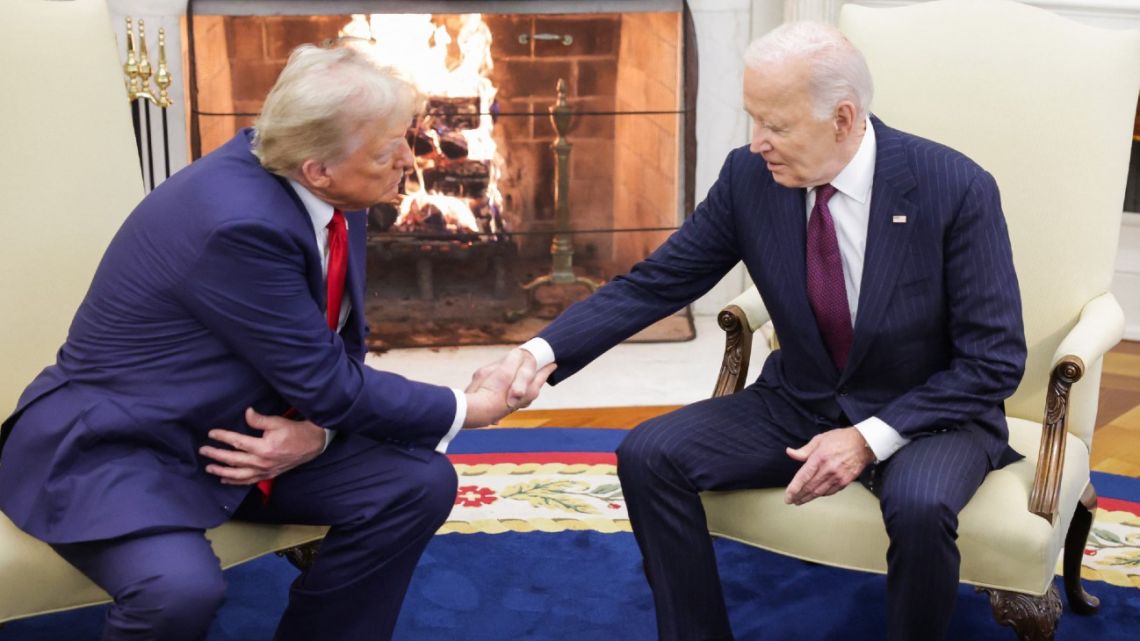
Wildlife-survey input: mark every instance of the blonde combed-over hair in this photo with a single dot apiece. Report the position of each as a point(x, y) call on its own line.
point(321, 100)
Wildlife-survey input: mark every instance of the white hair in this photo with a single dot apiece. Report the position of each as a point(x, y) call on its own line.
point(838, 70)
point(321, 100)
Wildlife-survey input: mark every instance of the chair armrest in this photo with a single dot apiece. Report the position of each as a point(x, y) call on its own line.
point(739, 319)
point(752, 307)
point(1100, 326)
point(1099, 329)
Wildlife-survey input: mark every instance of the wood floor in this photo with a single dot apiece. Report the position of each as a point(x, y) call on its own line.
point(1116, 443)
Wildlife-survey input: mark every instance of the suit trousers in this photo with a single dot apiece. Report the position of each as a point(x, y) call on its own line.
point(384, 503)
point(738, 442)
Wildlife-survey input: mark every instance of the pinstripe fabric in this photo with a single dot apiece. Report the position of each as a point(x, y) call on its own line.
point(922, 488)
point(724, 443)
point(938, 345)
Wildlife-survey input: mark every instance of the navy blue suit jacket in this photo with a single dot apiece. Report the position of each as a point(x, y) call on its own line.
point(209, 299)
point(938, 338)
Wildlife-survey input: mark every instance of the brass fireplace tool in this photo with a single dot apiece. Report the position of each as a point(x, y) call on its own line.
point(138, 71)
point(562, 249)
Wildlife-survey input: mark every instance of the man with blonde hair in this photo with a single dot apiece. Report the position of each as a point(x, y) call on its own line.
point(885, 263)
point(233, 296)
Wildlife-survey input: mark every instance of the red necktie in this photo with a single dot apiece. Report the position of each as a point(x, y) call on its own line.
point(338, 269)
point(338, 266)
point(827, 291)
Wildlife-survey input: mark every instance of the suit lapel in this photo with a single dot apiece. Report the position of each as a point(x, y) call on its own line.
point(302, 225)
point(354, 283)
point(887, 240)
point(789, 235)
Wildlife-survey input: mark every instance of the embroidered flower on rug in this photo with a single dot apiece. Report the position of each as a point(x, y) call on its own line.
point(475, 496)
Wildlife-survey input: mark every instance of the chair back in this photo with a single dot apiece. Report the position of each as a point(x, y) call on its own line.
point(1046, 105)
point(70, 172)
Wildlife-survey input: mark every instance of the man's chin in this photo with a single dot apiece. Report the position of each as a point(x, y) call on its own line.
point(787, 181)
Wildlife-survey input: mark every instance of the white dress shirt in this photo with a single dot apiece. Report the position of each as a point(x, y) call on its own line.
point(851, 211)
point(321, 213)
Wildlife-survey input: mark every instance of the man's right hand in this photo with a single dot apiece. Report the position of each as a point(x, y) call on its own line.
point(504, 386)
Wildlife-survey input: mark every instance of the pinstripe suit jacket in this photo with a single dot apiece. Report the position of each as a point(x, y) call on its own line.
point(208, 300)
point(938, 340)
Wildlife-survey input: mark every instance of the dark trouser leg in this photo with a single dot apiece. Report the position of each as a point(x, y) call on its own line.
point(923, 488)
point(724, 443)
point(166, 586)
point(384, 503)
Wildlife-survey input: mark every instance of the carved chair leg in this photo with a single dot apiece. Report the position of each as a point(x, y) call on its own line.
point(1033, 618)
point(1080, 601)
point(302, 556)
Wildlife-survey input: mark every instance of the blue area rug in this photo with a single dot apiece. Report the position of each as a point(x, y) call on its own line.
point(588, 586)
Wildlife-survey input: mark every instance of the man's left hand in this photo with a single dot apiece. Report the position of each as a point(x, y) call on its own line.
point(284, 444)
point(830, 462)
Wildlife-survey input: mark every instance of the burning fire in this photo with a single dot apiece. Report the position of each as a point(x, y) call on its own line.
point(457, 161)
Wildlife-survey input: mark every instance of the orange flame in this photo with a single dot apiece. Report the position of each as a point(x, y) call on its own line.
point(416, 45)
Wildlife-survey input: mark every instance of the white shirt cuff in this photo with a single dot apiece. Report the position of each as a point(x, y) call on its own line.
point(457, 424)
point(881, 438)
point(329, 436)
point(541, 350)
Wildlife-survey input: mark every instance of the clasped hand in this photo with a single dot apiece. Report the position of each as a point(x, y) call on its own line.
point(504, 386)
point(283, 445)
point(830, 462)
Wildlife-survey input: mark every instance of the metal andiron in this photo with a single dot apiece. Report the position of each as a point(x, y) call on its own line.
point(562, 249)
point(138, 71)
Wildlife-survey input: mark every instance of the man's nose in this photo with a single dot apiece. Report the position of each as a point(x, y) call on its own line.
point(407, 158)
point(760, 143)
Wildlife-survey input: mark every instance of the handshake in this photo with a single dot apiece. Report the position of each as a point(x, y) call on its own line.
point(504, 386)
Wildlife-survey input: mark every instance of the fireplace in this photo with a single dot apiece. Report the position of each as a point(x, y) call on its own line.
point(448, 264)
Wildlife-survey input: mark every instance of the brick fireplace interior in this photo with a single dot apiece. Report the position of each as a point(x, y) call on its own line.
point(626, 84)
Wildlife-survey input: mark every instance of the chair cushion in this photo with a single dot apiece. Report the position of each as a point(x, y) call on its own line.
point(1003, 545)
point(39, 581)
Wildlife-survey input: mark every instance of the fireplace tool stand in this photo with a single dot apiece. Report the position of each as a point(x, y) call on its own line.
point(562, 249)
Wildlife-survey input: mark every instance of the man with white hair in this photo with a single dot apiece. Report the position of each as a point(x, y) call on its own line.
point(233, 296)
point(885, 263)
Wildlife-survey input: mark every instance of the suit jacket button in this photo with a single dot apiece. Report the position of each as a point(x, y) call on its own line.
point(843, 391)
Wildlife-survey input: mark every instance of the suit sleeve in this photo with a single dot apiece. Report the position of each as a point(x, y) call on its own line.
point(686, 266)
point(248, 286)
point(987, 338)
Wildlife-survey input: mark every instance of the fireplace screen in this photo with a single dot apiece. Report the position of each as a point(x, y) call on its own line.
point(505, 219)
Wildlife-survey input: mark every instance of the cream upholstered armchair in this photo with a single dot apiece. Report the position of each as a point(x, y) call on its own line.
point(1046, 105)
point(71, 175)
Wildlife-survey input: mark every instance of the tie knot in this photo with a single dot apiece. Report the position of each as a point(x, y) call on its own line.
point(337, 220)
point(823, 193)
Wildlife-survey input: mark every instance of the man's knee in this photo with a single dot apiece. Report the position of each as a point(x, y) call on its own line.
point(437, 484)
point(177, 601)
point(920, 515)
point(645, 451)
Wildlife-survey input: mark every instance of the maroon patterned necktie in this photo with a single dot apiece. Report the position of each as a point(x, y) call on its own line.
point(827, 291)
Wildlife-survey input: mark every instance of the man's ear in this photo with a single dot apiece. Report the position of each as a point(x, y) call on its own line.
point(844, 120)
point(315, 174)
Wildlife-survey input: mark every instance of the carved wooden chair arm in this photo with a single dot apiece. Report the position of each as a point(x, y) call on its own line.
point(737, 350)
point(1100, 326)
point(739, 319)
point(1046, 492)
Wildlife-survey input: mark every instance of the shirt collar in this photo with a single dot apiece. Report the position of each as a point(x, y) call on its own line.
point(856, 178)
point(319, 211)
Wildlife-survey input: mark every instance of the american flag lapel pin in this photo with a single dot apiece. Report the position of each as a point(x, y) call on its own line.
point(899, 219)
